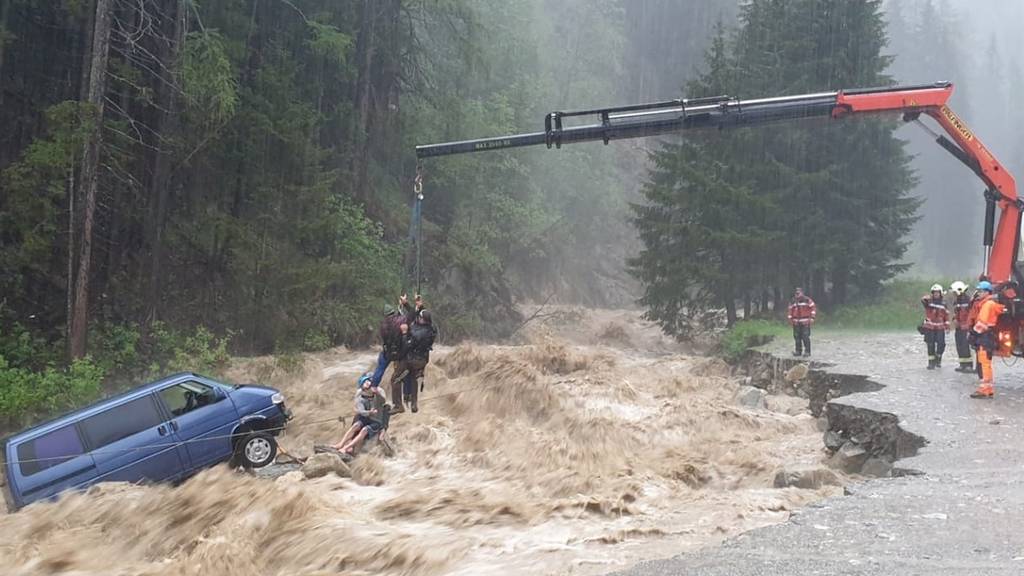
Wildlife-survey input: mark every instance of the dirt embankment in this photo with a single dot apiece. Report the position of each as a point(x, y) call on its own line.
point(594, 444)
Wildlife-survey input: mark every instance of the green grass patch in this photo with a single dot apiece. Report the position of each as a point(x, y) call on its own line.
point(896, 308)
point(749, 333)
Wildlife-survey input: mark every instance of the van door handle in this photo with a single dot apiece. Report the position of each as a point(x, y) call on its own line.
point(161, 430)
point(174, 425)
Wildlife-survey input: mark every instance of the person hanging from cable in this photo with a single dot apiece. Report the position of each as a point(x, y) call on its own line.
point(390, 336)
point(935, 325)
point(390, 340)
point(418, 344)
point(410, 318)
point(402, 374)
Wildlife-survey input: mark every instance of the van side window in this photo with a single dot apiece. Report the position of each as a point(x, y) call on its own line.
point(186, 397)
point(49, 450)
point(121, 422)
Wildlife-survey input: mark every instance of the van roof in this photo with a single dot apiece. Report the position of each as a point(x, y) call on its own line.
point(57, 421)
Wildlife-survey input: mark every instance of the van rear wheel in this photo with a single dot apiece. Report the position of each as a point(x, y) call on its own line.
point(256, 450)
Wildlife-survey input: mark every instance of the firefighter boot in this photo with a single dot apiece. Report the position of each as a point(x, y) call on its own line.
point(938, 361)
point(931, 363)
point(984, 391)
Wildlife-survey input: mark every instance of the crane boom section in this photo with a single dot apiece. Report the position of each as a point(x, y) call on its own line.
point(969, 148)
point(672, 116)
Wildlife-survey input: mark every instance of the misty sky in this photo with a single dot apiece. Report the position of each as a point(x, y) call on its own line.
point(949, 235)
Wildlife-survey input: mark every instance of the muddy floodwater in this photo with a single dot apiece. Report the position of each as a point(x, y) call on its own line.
point(591, 445)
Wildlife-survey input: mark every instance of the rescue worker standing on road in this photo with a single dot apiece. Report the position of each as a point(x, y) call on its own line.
point(961, 315)
point(977, 299)
point(801, 317)
point(985, 338)
point(935, 326)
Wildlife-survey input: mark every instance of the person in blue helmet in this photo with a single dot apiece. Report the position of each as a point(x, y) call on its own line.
point(981, 292)
point(371, 418)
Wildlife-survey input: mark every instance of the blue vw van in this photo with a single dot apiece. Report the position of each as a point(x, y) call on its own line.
point(163, 431)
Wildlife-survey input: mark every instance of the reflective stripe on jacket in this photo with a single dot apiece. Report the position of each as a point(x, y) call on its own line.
point(962, 312)
point(936, 316)
point(802, 311)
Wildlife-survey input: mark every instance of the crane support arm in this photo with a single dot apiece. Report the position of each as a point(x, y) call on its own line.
point(724, 112)
point(965, 145)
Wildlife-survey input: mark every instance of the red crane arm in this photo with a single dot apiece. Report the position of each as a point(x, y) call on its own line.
point(932, 101)
point(720, 112)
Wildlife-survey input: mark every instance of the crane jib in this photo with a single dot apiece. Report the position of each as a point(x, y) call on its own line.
point(662, 119)
point(639, 120)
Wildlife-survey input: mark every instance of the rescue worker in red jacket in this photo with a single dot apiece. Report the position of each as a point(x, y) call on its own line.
point(801, 317)
point(961, 315)
point(985, 338)
point(935, 326)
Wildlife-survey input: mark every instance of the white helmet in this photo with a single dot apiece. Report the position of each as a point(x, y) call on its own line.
point(958, 287)
point(936, 287)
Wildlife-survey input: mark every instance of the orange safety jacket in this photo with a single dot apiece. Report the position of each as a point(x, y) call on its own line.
point(802, 311)
point(962, 312)
point(936, 317)
point(976, 301)
point(989, 315)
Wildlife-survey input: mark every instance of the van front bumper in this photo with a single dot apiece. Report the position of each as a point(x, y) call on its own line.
point(278, 420)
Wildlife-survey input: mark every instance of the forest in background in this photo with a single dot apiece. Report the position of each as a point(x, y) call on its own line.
point(184, 179)
point(181, 180)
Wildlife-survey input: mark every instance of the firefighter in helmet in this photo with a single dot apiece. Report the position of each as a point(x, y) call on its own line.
point(935, 325)
point(962, 319)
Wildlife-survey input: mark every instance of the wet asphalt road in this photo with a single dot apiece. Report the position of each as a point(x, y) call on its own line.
point(963, 516)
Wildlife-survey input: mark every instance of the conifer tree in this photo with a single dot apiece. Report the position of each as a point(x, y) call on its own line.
point(825, 206)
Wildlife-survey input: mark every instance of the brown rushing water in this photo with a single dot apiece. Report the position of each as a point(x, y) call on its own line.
point(583, 451)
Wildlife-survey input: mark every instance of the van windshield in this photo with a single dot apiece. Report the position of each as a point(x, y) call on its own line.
point(185, 397)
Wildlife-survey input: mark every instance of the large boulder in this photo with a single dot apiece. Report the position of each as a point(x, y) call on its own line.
point(834, 440)
point(319, 465)
point(786, 404)
point(810, 478)
point(850, 458)
point(797, 373)
point(750, 397)
point(877, 467)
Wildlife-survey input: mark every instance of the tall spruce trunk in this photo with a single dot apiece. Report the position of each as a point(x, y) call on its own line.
point(840, 282)
point(365, 48)
point(167, 124)
point(5, 8)
point(89, 180)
